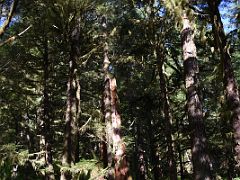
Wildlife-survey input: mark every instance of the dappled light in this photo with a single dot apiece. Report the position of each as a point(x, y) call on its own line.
point(119, 90)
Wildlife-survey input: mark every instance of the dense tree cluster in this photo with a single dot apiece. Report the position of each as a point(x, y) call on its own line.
point(140, 89)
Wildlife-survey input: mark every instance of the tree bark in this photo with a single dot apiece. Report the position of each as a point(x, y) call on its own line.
point(119, 148)
point(230, 84)
point(140, 159)
point(70, 154)
point(168, 120)
point(180, 162)
point(44, 118)
point(46, 133)
point(200, 158)
point(107, 143)
point(115, 147)
point(154, 155)
point(228, 147)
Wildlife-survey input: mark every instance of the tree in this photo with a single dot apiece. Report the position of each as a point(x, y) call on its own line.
point(86, 48)
point(230, 84)
point(9, 17)
point(116, 148)
point(168, 118)
point(70, 153)
point(107, 145)
point(200, 158)
point(45, 117)
point(166, 108)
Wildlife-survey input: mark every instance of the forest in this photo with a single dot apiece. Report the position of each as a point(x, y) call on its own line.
point(119, 90)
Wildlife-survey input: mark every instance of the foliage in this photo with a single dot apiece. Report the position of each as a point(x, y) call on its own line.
point(137, 32)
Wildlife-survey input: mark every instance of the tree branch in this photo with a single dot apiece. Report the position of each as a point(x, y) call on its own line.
point(198, 11)
point(173, 67)
point(9, 17)
point(11, 39)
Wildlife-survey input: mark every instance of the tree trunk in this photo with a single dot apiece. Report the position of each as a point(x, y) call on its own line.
point(108, 157)
point(71, 144)
point(115, 147)
point(230, 84)
point(180, 162)
point(141, 163)
point(107, 143)
point(168, 121)
point(154, 155)
point(44, 118)
point(228, 144)
point(200, 158)
point(47, 117)
point(17, 122)
point(157, 171)
point(119, 147)
point(154, 158)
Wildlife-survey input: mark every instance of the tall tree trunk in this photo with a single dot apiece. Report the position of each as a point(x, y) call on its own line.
point(107, 112)
point(116, 150)
point(172, 168)
point(154, 155)
point(228, 146)
point(119, 148)
point(44, 118)
point(230, 84)
point(107, 138)
point(46, 133)
point(107, 142)
point(71, 144)
point(168, 120)
point(200, 158)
